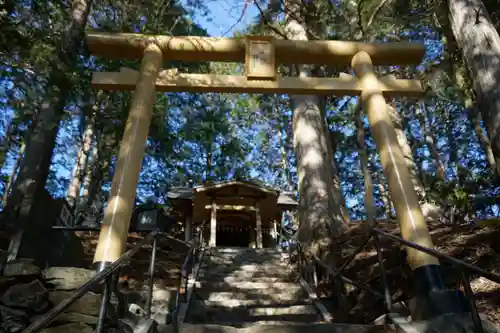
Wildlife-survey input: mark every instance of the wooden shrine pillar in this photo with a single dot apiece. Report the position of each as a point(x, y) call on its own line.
point(251, 237)
point(282, 223)
point(188, 227)
point(213, 224)
point(274, 234)
point(258, 226)
point(115, 226)
point(431, 298)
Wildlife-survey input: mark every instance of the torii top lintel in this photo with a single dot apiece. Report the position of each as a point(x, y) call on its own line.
point(194, 49)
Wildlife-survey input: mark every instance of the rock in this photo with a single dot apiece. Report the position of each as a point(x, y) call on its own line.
point(31, 296)
point(71, 317)
point(89, 303)
point(69, 328)
point(13, 320)
point(136, 310)
point(190, 328)
point(67, 278)
point(146, 326)
point(21, 267)
point(163, 301)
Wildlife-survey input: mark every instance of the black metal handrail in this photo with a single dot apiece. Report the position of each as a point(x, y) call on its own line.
point(463, 267)
point(105, 276)
point(189, 262)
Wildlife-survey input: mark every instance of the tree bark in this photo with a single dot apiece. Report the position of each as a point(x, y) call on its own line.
point(479, 42)
point(430, 211)
point(475, 119)
point(73, 193)
point(370, 208)
point(35, 166)
point(283, 122)
point(407, 152)
point(93, 164)
point(421, 113)
point(384, 195)
point(13, 174)
point(320, 216)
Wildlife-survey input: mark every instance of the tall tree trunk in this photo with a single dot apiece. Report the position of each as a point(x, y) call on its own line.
point(421, 113)
point(370, 208)
point(461, 77)
point(89, 172)
point(13, 174)
point(475, 119)
point(320, 216)
point(35, 166)
point(73, 193)
point(283, 122)
point(7, 142)
point(384, 195)
point(429, 210)
point(407, 152)
point(338, 194)
point(479, 41)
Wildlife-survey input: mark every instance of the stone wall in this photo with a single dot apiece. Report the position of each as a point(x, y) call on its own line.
point(27, 292)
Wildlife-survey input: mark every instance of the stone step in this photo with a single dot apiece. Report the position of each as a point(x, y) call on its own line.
point(242, 258)
point(246, 267)
point(236, 299)
point(263, 279)
point(225, 317)
point(219, 275)
point(245, 262)
point(299, 309)
point(242, 286)
point(242, 250)
point(234, 303)
point(274, 327)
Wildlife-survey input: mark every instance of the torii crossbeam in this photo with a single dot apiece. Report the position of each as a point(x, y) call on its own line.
point(261, 55)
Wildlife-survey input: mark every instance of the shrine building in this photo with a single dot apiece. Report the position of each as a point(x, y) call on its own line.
point(232, 213)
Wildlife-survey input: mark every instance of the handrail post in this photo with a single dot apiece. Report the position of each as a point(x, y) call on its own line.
point(470, 295)
point(104, 304)
point(151, 273)
point(432, 300)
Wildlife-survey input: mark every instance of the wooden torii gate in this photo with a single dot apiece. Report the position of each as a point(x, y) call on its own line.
point(261, 55)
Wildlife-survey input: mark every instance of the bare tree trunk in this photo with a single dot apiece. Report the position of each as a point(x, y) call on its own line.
point(94, 163)
point(429, 210)
point(73, 193)
point(475, 119)
point(36, 164)
point(384, 195)
point(421, 113)
point(320, 215)
point(338, 194)
point(283, 121)
point(479, 41)
point(363, 158)
point(407, 152)
point(13, 174)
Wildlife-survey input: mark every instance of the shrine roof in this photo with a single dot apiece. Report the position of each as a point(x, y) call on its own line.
point(187, 193)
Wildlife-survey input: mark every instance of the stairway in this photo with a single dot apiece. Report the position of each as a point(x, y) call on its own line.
point(243, 286)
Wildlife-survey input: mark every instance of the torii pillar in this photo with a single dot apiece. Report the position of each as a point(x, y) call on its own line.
point(114, 230)
point(431, 297)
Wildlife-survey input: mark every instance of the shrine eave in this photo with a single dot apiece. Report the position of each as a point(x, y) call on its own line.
point(187, 194)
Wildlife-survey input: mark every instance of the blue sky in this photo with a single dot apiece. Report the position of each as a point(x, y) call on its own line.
point(224, 14)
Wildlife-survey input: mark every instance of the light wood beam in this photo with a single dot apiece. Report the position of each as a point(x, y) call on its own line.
point(194, 49)
point(170, 81)
point(213, 225)
point(232, 207)
point(258, 226)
